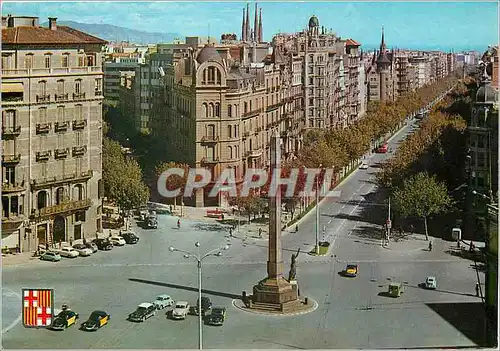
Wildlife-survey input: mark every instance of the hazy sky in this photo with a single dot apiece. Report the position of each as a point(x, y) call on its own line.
point(439, 25)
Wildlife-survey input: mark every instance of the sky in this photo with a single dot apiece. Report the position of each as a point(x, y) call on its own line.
point(426, 25)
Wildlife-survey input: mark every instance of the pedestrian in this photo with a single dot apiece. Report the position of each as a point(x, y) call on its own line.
point(84, 241)
point(120, 233)
point(296, 228)
point(18, 250)
point(170, 208)
point(430, 245)
point(260, 232)
point(222, 216)
point(231, 231)
point(477, 289)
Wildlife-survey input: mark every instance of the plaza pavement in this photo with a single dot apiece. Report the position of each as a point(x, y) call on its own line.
point(352, 313)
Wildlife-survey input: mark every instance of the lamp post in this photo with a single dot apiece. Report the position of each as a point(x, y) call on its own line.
point(199, 259)
point(317, 212)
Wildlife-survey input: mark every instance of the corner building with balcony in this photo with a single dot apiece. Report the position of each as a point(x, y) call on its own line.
point(51, 133)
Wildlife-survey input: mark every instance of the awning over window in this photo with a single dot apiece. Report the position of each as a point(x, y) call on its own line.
point(12, 88)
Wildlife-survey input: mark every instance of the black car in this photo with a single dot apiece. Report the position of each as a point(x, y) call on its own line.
point(206, 305)
point(152, 222)
point(130, 238)
point(64, 319)
point(96, 320)
point(143, 312)
point(103, 244)
point(217, 316)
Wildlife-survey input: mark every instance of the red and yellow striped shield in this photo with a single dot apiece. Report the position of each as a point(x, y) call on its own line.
point(38, 307)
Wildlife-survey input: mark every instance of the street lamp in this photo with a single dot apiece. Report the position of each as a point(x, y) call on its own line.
point(317, 212)
point(199, 259)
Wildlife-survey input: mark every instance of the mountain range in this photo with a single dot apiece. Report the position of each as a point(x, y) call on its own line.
point(115, 33)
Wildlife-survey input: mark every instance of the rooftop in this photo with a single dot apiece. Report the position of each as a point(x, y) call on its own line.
point(43, 35)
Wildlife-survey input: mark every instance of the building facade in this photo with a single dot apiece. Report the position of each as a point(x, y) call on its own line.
point(381, 75)
point(52, 92)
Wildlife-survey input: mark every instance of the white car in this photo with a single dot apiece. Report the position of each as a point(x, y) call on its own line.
point(68, 252)
point(181, 310)
point(117, 240)
point(82, 250)
point(431, 283)
point(163, 301)
point(363, 166)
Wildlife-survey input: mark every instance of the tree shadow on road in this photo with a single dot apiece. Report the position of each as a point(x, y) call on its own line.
point(468, 318)
point(187, 288)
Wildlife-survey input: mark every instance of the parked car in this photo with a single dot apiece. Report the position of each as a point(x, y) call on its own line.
point(383, 149)
point(117, 240)
point(69, 252)
point(152, 222)
point(103, 244)
point(181, 310)
point(206, 305)
point(64, 319)
point(144, 311)
point(163, 301)
point(217, 316)
point(91, 246)
point(50, 256)
point(96, 320)
point(363, 166)
point(431, 283)
point(130, 238)
point(82, 250)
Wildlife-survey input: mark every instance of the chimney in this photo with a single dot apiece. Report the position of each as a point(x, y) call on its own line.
point(10, 21)
point(52, 23)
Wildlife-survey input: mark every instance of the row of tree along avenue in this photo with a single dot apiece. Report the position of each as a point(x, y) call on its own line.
point(337, 149)
point(428, 164)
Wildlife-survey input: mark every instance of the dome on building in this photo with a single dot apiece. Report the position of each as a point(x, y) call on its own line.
point(208, 53)
point(486, 94)
point(313, 21)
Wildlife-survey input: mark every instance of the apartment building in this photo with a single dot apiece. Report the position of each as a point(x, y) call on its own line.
point(352, 66)
point(52, 92)
point(422, 70)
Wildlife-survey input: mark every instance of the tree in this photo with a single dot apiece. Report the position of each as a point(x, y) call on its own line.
point(122, 177)
point(174, 181)
point(250, 204)
point(422, 195)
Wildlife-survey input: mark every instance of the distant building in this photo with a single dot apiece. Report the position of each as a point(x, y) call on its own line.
point(52, 92)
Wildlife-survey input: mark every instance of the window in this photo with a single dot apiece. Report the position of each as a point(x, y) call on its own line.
point(230, 149)
point(60, 87)
point(78, 86)
point(230, 111)
point(229, 131)
point(42, 199)
point(210, 110)
point(481, 159)
point(65, 60)
point(59, 196)
point(211, 130)
point(48, 59)
point(42, 86)
point(217, 109)
point(78, 192)
point(90, 61)
point(42, 114)
point(60, 113)
point(204, 108)
point(81, 61)
point(79, 112)
point(10, 175)
point(10, 118)
point(28, 61)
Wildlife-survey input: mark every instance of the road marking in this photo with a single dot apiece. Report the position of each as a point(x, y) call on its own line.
point(330, 221)
point(19, 318)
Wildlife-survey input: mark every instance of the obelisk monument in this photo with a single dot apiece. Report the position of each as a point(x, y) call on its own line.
point(275, 289)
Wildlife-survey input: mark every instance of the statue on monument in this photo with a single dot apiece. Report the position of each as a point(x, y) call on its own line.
point(292, 275)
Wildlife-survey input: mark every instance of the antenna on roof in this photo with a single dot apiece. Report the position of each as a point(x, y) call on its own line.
point(208, 33)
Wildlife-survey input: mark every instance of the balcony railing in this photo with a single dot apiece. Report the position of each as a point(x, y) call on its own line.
point(207, 160)
point(41, 98)
point(254, 153)
point(79, 124)
point(43, 156)
point(61, 153)
point(98, 92)
point(273, 107)
point(61, 126)
point(13, 187)
point(11, 159)
point(78, 96)
point(42, 128)
point(11, 131)
point(79, 150)
point(48, 71)
point(70, 206)
point(68, 178)
point(62, 97)
point(13, 221)
point(252, 113)
point(209, 139)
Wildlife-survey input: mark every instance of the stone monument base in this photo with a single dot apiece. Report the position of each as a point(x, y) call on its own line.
point(274, 295)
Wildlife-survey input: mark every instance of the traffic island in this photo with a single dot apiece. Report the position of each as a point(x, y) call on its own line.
point(324, 246)
point(292, 308)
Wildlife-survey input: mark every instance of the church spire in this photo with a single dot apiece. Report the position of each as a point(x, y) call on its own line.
point(260, 39)
point(247, 24)
point(256, 24)
point(382, 42)
point(243, 27)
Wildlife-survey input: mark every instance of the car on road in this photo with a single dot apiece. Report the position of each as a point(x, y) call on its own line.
point(383, 149)
point(363, 166)
point(96, 320)
point(64, 319)
point(396, 289)
point(68, 252)
point(163, 301)
point(82, 250)
point(351, 270)
point(103, 244)
point(152, 222)
point(180, 310)
point(50, 256)
point(430, 283)
point(206, 305)
point(144, 311)
point(92, 246)
point(116, 240)
point(217, 316)
point(130, 238)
